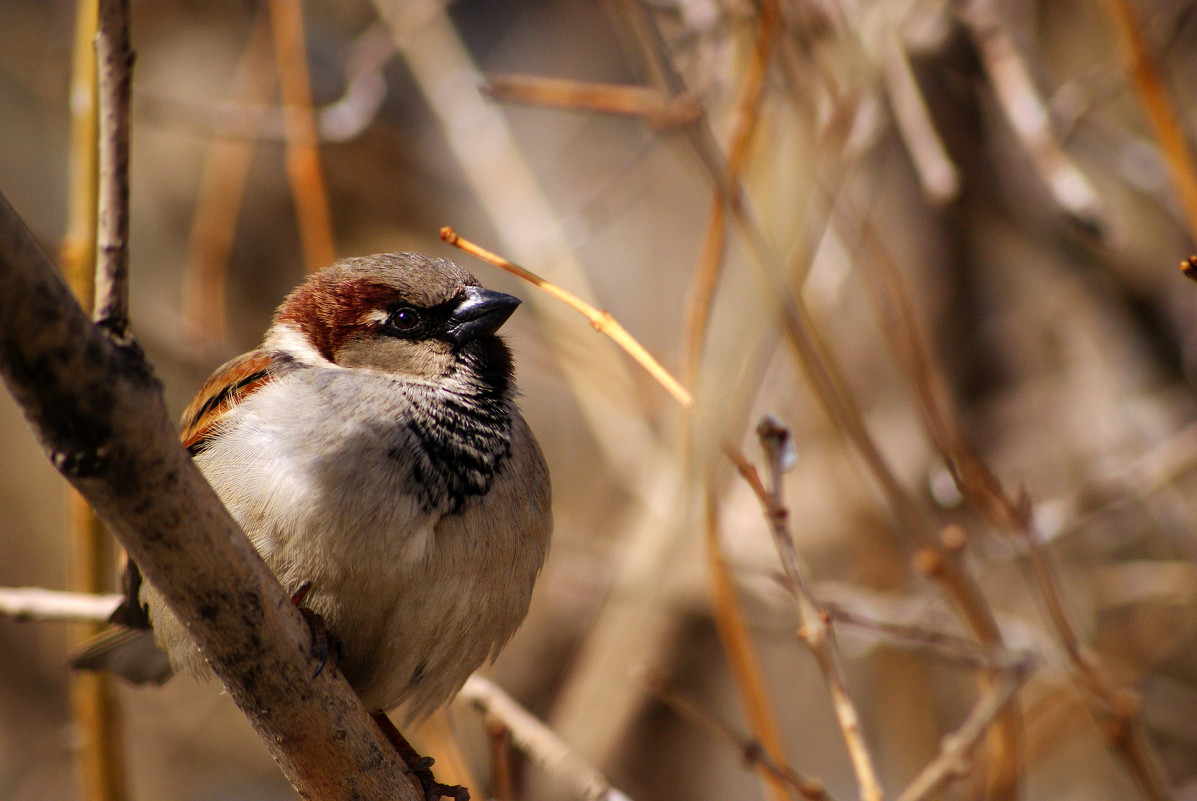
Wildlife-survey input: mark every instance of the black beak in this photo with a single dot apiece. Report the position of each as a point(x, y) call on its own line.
point(480, 312)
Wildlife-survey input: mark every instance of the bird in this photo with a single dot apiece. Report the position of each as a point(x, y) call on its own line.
point(373, 451)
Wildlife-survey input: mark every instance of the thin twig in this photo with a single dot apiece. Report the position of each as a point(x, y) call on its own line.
point(303, 153)
point(540, 743)
point(816, 630)
point(654, 106)
point(751, 751)
point(951, 646)
point(35, 603)
point(829, 386)
point(114, 58)
point(741, 653)
point(600, 320)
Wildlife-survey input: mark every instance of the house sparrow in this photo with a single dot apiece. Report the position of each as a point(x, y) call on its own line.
point(372, 450)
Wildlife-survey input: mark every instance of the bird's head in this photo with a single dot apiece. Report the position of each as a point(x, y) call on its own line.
point(407, 314)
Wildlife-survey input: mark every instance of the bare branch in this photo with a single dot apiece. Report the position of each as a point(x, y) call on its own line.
point(115, 75)
point(1027, 113)
point(660, 110)
point(955, 747)
point(750, 750)
point(1159, 109)
point(303, 153)
point(540, 743)
point(816, 630)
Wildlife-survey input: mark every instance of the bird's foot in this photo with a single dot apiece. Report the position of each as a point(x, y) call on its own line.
point(325, 644)
point(434, 790)
point(419, 766)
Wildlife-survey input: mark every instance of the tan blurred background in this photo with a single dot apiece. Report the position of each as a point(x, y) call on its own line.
point(1041, 266)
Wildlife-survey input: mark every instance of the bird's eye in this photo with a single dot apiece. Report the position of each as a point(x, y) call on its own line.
point(405, 319)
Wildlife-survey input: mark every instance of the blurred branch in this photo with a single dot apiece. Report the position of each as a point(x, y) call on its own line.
point(1154, 97)
point(750, 751)
point(981, 488)
point(35, 603)
point(656, 108)
point(341, 120)
point(955, 748)
point(218, 205)
point(78, 252)
point(937, 174)
point(742, 656)
point(815, 630)
point(1027, 114)
point(825, 379)
point(114, 58)
point(714, 239)
point(498, 737)
point(538, 742)
point(303, 153)
point(950, 646)
point(96, 408)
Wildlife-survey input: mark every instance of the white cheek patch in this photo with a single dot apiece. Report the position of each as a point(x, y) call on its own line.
point(289, 340)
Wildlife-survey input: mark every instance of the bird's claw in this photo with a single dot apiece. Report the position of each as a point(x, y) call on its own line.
point(324, 642)
point(434, 790)
point(420, 767)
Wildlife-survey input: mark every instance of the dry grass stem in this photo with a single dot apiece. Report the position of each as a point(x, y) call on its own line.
point(78, 251)
point(538, 742)
point(655, 107)
point(303, 153)
point(751, 751)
